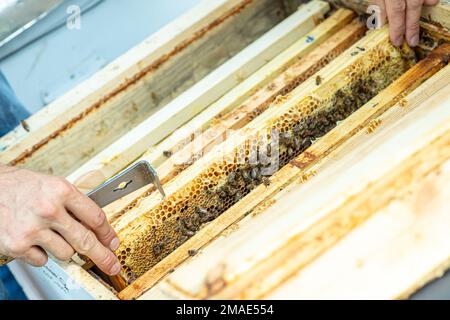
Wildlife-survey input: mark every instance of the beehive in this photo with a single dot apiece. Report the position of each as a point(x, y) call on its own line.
point(303, 111)
point(186, 153)
point(222, 183)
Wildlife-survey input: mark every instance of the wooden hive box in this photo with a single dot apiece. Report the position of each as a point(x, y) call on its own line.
point(283, 150)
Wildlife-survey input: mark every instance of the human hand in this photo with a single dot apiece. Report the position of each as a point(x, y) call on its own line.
point(40, 213)
point(403, 17)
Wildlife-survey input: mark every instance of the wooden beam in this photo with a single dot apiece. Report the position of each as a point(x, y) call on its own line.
point(399, 250)
point(403, 234)
point(439, 15)
point(93, 115)
point(372, 51)
point(305, 219)
point(309, 62)
point(198, 97)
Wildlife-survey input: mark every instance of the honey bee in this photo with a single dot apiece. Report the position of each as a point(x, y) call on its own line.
point(318, 80)
point(374, 124)
point(201, 211)
point(167, 153)
point(158, 248)
point(306, 143)
point(222, 193)
point(232, 178)
point(184, 229)
point(25, 126)
point(246, 176)
point(187, 232)
point(269, 150)
point(297, 143)
point(238, 196)
point(290, 152)
point(256, 174)
point(192, 252)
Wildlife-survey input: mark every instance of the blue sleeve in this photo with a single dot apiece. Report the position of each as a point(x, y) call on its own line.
point(11, 110)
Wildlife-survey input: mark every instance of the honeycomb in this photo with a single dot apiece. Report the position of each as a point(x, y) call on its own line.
point(281, 86)
point(280, 136)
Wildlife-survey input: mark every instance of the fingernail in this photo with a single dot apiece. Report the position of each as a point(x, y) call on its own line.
point(116, 269)
point(414, 40)
point(115, 243)
point(398, 41)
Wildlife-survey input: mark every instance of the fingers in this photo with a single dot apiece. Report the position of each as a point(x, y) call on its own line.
point(431, 2)
point(413, 11)
point(93, 217)
point(55, 244)
point(35, 256)
point(396, 15)
point(86, 243)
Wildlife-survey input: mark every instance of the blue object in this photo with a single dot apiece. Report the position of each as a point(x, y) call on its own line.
point(11, 110)
point(309, 39)
point(11, 113)
point(3, 292)
point(9, 288)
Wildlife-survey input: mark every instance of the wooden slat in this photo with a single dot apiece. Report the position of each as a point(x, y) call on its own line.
point(397, 251)
point(334, 77)
point(304, 220)
point(212, 87)
point(100, 110)
point(372, 40)
point(309, 63)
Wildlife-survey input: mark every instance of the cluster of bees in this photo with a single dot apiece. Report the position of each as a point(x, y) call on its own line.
point(247, 177)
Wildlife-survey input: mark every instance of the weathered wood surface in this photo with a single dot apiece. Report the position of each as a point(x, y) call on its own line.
point(403, 246)
point(399, 250)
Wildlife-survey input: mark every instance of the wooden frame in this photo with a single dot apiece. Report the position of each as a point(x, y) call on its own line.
point(146, 281)
point(350, 192)
point(309, 244)
point(300, 92)
point(309, 62)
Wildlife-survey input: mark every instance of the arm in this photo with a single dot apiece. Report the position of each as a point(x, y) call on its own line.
point(40, 214)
